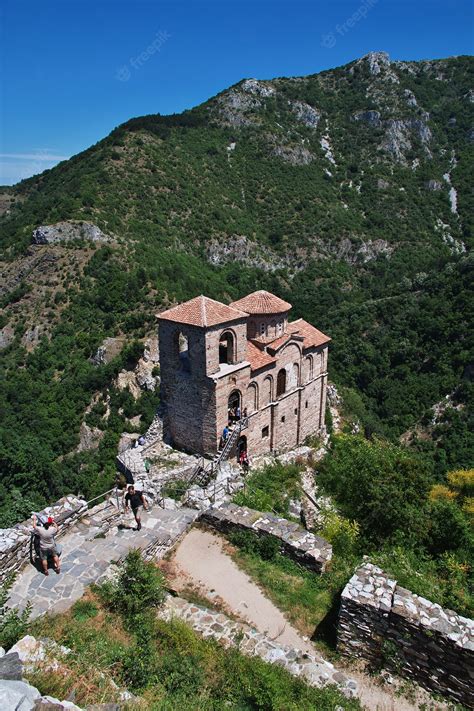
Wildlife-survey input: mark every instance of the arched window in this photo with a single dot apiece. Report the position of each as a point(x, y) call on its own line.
point(280, 327)
point(263, 329)
point(309, 367)
point(226, 348)
point(252, 397)
point(295, 375)
point(267, 391)
point(182, 348)
point(281, 382)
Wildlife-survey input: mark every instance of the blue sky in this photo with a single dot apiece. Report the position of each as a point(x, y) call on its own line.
point(72, 70)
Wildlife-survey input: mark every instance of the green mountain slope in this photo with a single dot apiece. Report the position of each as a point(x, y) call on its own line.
point(347, 192)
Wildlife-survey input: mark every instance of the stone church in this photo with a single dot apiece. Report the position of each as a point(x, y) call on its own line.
point(248, 355)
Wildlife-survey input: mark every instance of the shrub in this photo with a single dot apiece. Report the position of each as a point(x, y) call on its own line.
point(138, 586)
point(13, 624)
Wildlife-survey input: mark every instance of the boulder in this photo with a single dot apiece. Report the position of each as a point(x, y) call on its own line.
point(49, 703)
point(11, 666)
point(17, 695)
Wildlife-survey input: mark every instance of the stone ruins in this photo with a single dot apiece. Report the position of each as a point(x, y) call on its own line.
point(385, 624)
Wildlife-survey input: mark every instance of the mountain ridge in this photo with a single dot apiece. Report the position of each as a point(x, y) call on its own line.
point(343, 192)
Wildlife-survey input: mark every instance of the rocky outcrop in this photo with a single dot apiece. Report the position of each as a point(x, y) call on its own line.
point(433, 185)
point(381, 622)
point(352, 252)
point(398, 135)
point(108, 350)
point(239, 248)
point(67, 232)
point(311, 551)
point(307, 115)
point(7, 335)
point(377, 61)
point(235, 108)
point(372, 118)
point(293, 154)
point(89, 437)
point(258, 88)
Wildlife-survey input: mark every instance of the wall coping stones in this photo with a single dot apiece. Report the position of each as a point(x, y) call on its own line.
point(311, 551)
point(429, 644)
point(315, 670)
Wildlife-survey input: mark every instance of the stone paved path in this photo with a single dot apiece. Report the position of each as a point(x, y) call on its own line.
point(87, 555)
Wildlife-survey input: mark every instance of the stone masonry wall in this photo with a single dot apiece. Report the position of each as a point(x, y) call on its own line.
point(15, 541)
point(382, 622)
point(189, 396)
point(305, 548)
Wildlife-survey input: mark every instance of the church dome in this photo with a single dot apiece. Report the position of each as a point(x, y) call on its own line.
point(261, 302)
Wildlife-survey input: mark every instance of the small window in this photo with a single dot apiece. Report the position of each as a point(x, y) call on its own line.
point(283, 418)
point(262, 329)
point(296, 410)
point(280, 327)
point(306, 404)
point(265, 432)
point(281, 382)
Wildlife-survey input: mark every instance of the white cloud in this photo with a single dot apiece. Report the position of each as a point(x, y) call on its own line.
point(47, 157)
point(18, 166)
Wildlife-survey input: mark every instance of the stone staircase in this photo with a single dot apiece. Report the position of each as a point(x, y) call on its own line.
point(205, 472)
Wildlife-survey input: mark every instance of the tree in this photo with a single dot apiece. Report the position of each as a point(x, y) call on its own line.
point(377, 484)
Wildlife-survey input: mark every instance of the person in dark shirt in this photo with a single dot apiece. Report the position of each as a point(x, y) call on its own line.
point(134, 500)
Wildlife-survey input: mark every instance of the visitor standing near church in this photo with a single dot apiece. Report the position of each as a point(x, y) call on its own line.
point(135, 500)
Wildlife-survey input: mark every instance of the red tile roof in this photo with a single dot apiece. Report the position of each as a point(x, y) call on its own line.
point(312, 337)
point(202, 311)
point(281, 340)
point(256, 357)
point(261, 302)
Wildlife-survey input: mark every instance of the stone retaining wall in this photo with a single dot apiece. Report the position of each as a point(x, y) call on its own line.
point(15, 541)
point(384, 623)
point(305, 548)
point(313, 669)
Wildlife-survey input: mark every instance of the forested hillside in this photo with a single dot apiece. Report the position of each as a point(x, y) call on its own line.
point(348, 193)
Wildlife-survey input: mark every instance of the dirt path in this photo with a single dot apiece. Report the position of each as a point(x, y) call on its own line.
point(201, 562)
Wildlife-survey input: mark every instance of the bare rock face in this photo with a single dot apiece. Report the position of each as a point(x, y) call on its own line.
point(397, 141)
point(377, 61)
point(306, 114)
point(68, 231)
point(6, 336)
point(258, 88)
point(89, 437)
point(294, 154)
point(238, 248)
point(107, 351)
point(372, 118)
point(235, 107)
point(433, 185)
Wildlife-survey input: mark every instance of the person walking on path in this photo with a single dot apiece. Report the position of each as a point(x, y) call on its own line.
point(134, 500)
point(47, 543)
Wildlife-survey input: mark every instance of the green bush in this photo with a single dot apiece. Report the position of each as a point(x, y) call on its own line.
point(138, 586)
point(13, 624)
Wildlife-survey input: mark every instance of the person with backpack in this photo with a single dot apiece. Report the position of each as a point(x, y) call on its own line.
point(134, 500)
point(47, 544)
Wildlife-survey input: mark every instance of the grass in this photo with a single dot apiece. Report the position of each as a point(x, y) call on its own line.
point(166, 665)
point(309, 601)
